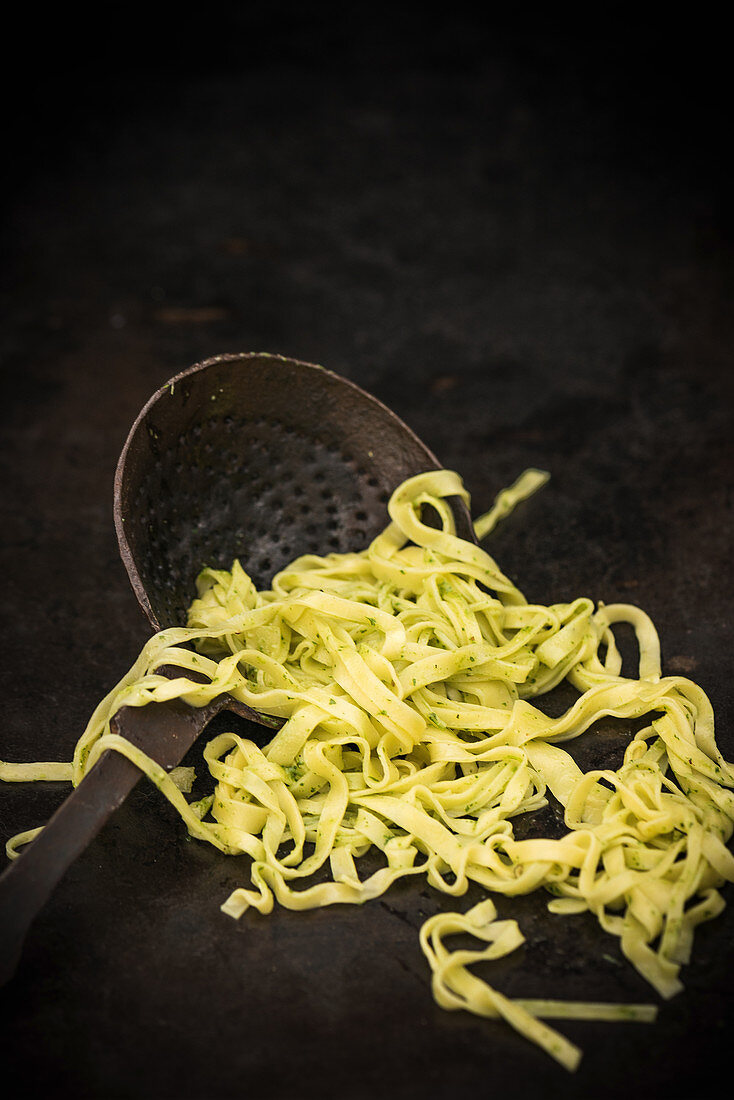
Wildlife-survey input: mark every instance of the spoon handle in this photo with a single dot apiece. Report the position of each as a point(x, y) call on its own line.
point(165, 731)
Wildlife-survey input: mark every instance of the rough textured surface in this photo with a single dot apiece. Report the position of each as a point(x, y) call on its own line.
point(516, 239)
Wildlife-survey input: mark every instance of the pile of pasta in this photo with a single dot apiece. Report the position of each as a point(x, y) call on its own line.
point(407, 677)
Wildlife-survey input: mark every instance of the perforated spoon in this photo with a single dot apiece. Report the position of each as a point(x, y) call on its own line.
point(251, 456)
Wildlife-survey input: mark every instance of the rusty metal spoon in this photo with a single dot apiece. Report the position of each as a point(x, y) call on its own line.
point(251, 456)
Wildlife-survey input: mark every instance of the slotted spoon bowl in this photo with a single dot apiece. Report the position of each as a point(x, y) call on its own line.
point(252, 456)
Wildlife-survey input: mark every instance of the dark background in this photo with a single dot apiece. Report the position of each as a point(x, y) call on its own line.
point(517, 235)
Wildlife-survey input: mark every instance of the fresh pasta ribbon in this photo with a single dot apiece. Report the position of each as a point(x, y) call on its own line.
point(408, 679)
point(455, 987)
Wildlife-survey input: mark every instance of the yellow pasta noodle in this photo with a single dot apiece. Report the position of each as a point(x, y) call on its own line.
point(407, 676)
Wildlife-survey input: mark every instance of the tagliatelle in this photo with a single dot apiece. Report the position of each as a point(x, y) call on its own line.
point(404, 674)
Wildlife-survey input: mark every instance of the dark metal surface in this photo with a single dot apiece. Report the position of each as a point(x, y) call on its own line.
point(519, 242)
point(256, 457)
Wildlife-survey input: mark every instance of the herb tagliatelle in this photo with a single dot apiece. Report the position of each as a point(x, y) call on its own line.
point(404, 674)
